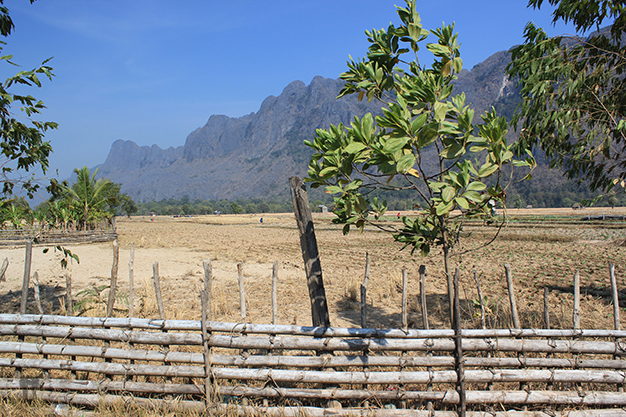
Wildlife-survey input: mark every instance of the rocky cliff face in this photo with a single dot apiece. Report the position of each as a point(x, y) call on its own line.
point(254, 155)
point(229, 158)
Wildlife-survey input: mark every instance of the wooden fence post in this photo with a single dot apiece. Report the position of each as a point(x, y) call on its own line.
point(366, 279)
point(208, 283)
point(576, 310)
point(405, 315)
point(205, 342)
point(69, 303)
point(131, 282)
point(458, 356)
point(3, 269)
point(483, 319)
point(242, 292)
point(615, 296)
point(113, 287)
point(546, 308)
point(509, 282)
point(157, 289)
point(25, 282)
point(275, 293)
point(37, 296)
point(310, 253)
point(422, 272)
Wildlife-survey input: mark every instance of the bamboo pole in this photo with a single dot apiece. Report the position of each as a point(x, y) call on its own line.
point(208, 376)
point(422, 272)
point(264, 361)
point(208, 285)
point(509, 282)
point(458, 351)
point(405, 321)
point(275, 293)
point(615, 294)
point(483, 320)
point(114, 270)
point(157, 289)
point(3, 269)
point(242, 292)
point(37, 296)
point(320, 343)
point(282, 329)
point(131, 282)
point(576, 309)
point(546, 308)
point(504, 397)
point(25, 282)
point(331, 376)
point(69, 303)
point(366, 279)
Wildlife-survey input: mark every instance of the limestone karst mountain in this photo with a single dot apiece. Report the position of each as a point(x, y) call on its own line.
point(254, 155)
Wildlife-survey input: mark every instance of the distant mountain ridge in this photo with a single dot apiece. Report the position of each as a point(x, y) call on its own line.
point(254, 155)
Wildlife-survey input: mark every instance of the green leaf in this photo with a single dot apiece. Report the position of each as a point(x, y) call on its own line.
point(405, 163)
point(462, 202)
point(444, 208)
point(476, 186)
point(447, 194)
point(354, 147)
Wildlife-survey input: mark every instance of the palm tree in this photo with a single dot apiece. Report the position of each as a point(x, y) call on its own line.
point(88, 196)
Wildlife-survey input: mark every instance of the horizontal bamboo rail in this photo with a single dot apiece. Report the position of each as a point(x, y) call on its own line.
point(582, 368)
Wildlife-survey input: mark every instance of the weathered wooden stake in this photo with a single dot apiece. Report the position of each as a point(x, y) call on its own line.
point(422, 272)
point(275, 293)
point(576, 310)
point(310, 253)
point(69, 304)
point(242, 291)
point(208, 283)
point(205, 341)
point(483, 320)
point(509, 282)
point(3, 269)
point(25, 282)
point(458, 356)
point(615, 293)
point(131, 282)
point(37, 297)
point(113, 287)
point(157, 289)
point(366, 279)
point(405, 315)
point(546, 308)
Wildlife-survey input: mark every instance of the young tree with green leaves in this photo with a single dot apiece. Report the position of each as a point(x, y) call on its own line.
point(425, 142)
point(22, 145)
point(573, 103)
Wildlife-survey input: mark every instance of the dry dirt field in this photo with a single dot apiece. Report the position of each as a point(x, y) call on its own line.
point(540, 254)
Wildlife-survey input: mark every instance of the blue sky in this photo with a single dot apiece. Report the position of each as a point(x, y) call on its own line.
point(152, 71)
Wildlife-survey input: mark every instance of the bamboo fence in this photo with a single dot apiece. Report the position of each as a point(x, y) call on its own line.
point(291, 370)
point(102, 232)
point(287, 364)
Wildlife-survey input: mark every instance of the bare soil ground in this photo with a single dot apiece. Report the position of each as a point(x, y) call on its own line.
point(540, 254)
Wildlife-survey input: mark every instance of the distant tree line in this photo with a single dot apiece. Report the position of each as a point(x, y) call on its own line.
point(187, 207)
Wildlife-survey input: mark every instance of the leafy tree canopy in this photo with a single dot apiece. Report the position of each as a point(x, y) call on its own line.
point(424, 143)
point(573, 102)
point(22, 145)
